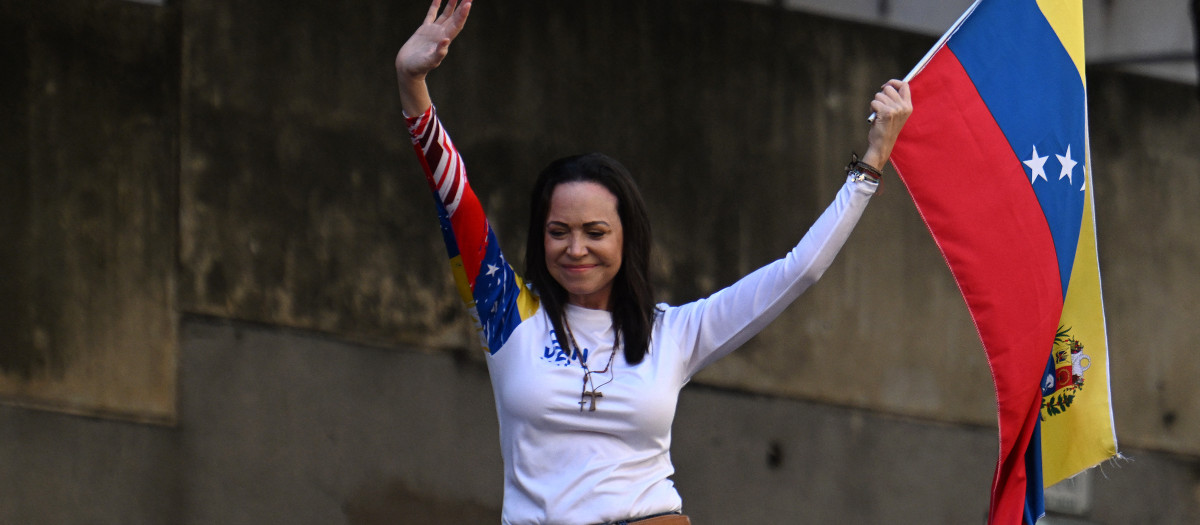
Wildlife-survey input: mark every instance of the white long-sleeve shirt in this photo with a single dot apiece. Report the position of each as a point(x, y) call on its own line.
point(567, 464)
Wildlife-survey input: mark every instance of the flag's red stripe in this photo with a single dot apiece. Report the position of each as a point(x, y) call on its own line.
point(470, 226)
point(467, 220)
point(974, 195)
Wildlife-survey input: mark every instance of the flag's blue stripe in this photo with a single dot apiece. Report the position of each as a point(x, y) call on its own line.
point(496, 296)
point(1029, 82)
point(447, 229)
point(1035, 498)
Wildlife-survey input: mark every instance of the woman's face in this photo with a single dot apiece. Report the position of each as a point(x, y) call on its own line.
point(584, 241)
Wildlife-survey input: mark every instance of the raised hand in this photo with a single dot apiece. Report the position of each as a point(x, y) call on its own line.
point(892, 106)
point(425, 50)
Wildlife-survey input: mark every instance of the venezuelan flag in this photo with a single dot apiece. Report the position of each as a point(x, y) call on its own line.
point(996, 158)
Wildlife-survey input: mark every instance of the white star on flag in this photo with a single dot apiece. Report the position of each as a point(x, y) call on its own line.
point(1067, 165)
point(492, 269)
point(1038, 165)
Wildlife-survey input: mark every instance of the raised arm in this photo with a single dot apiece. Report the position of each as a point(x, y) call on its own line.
point(494, 295)
point(424, 51)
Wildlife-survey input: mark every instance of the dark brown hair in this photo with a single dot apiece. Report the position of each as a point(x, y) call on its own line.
point(632, 301)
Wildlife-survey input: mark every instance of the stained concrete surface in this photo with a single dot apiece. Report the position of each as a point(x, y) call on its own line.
point(302, 205)
point(88, 212)
point(286, 426)
point(270, 181)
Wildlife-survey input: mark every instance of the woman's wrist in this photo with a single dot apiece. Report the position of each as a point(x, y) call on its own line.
point(414, 94)
point(874, 158)
point(859, 171)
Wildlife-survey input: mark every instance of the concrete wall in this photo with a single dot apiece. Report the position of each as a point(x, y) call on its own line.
point(326, 373)
point(1148, 37)
point(88, 207)
point(1147, 179)
point(285, 426)
point(302, 206)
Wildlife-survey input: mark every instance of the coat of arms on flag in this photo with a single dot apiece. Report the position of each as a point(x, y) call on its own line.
point(1064, 376)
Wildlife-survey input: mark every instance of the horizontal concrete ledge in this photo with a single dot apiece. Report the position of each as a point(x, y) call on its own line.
point(282, 426)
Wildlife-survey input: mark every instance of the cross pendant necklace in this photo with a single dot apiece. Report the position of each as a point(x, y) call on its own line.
point(593, 395)
point(595, 392)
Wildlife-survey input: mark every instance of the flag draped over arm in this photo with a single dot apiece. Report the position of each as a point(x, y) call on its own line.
point(996, 158)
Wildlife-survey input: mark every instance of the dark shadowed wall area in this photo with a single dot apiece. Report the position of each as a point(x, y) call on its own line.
point(88, 207)
point(227, 300)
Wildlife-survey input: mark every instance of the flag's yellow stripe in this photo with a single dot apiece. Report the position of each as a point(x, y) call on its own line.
point(527, 302)
point(1083, 436)
point(1066, 17)
point(460, 280)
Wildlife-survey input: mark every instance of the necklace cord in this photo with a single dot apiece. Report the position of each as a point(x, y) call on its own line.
point(587, 372)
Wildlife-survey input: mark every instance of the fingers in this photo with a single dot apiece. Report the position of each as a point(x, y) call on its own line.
point(459, 19)
point(431, 15)
point(893, 99)
point(449, 11)
point(897, 85)
point(891, 92)
point(455, 13)
point(452, 18)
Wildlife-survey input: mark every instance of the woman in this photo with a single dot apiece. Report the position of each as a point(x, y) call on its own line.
point(586, 369)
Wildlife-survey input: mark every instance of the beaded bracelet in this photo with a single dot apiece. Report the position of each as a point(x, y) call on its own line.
point(858, 170)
